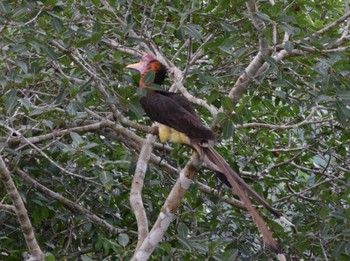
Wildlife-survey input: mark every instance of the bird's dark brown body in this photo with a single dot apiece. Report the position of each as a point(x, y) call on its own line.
point(174, 111)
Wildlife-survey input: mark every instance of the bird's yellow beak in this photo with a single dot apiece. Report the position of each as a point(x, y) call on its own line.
point(135, 66)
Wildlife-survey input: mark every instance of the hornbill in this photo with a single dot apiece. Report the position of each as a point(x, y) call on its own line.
point(178, 122)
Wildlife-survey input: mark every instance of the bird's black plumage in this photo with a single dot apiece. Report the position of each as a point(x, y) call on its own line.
point(176, 112)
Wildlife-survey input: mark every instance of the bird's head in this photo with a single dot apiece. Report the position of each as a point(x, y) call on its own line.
point(145, 66)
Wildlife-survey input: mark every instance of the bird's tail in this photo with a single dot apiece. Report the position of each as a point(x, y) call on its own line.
point(239, 187)
point(210, 162)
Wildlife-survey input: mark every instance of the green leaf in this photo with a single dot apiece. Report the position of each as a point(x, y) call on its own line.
point(270, 61)
point(22, 65)
point(227, 128)
point(230, 254)
point(35, 68)
point(77, 139)
point(286, 19)
point(324, 212)
point(57, 24)
point(227, 27)
point(11, 101)
point(227, 103)
point(343, 96)
point(194, 31)
point(50, 52)
point(289, 46)
point(149, 77)
point(135, 107)
point(327, 83)
point(4, 6)
point(123, 239)
point(339, 248)
point(342, 112)
point(280, 94)
point(347, 248)
point(96, 2)
point(49, 257)
point(290, 29)
point(220, 117)
point(263, 16)
point(97, 28)
point(214, 95)
point(182, 230)
point(86, 258)
point(96, 37)
point(83, 42)
point(106, 178)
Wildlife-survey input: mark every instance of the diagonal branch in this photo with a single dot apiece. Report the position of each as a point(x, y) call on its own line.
point(21, 213)
point(136, 189)
point(72, 206)
point(169, 208)
point(243, 81)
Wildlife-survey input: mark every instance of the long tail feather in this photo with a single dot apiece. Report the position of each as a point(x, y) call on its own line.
point(240, 188)
point(245, 187)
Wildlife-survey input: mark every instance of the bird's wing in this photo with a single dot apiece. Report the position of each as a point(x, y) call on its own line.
point(180, 100)
point(167, 110)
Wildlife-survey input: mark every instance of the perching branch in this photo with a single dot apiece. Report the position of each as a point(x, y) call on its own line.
point(21, 213)
point(136, 202)
point(169, 209)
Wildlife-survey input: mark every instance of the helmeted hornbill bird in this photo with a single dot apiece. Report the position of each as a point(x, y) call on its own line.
point(178, 122)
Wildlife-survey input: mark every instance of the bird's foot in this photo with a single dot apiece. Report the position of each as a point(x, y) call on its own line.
point(162, 156)
point(155, 131)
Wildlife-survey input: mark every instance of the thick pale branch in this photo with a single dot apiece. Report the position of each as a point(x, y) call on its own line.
point(136, 189)
point(21, 213)
point(258, 66)
point(258, 23)
point(332, 25)
point(8, 207)
point(168, 210)
point(243, 81)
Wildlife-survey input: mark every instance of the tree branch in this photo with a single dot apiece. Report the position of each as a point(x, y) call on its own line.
point(74, 207)
point(136, 189)
point(169, 208)
point(21, 213)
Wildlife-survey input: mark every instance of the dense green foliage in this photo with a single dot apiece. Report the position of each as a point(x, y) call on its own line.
point(295, 152)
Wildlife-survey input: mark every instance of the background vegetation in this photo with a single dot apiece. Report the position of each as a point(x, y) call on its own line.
point(71, 127)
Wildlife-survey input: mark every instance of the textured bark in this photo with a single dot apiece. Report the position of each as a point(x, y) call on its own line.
point(21, 213)
point(168, 210)
point(136, 189)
